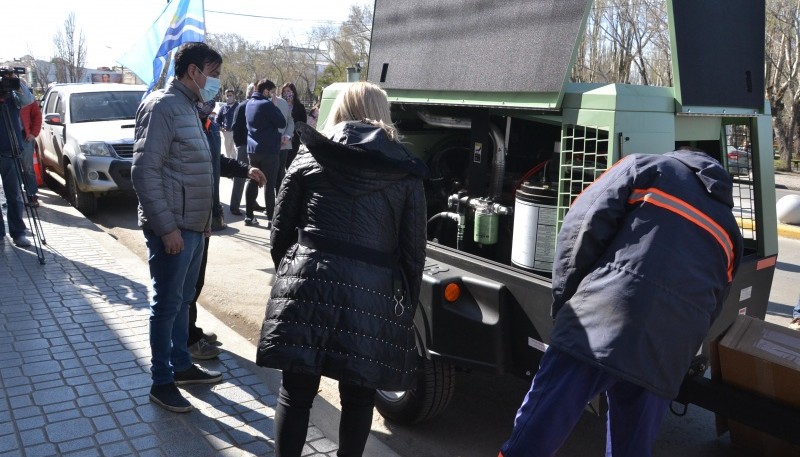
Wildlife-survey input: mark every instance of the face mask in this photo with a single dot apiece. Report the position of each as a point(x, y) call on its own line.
point(210, 89)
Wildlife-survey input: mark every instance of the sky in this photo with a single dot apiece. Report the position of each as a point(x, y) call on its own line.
point(111, 27)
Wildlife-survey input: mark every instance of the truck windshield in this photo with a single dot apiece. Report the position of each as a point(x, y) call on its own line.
point(104, 106)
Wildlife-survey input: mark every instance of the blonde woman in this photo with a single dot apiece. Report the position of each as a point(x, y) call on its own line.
point(348, 242)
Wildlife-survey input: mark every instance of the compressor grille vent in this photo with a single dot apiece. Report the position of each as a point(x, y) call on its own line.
point(739, 160)
point(584, 157)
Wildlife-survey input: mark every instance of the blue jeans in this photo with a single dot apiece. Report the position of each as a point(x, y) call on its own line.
point(558, 395)
point(10, 177)
point(27, 163)
point(174, 278)
point(796, 311)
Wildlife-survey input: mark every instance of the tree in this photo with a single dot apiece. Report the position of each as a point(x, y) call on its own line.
point(70, 55)
point(628, 42)
point(244, 62)
point(782, 55)
point(323, 58)
point(625, 42)
point(41, 70)
point(350, 45)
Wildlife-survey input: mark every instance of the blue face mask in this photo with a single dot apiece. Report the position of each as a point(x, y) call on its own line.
point(210, 89)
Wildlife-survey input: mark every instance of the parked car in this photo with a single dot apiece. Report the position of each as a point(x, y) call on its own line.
point(739, 161)
point(86, 142)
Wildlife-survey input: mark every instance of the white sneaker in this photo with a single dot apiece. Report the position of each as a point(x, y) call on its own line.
point(22, 241)
point(795, 324)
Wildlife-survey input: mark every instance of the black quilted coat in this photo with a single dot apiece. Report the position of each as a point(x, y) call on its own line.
point(332, 314)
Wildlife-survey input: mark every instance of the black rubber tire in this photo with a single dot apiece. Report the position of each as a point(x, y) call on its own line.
point(82, 201)
point(431, 395)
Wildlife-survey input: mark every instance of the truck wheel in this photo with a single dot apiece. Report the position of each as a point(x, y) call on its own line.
point(82, 201)
point(430, 396)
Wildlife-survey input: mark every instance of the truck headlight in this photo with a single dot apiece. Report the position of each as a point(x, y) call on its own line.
point(96, 148)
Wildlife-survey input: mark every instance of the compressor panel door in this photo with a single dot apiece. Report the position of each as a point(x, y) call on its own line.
point(718, 53)
point(498, 46)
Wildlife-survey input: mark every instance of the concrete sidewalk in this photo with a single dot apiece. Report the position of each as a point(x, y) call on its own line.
point(75, 359)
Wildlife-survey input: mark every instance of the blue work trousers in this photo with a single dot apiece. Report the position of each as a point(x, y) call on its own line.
point(560, 391)
point(174, 277)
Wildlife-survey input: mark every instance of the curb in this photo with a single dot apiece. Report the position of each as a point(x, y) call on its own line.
point(789, 231)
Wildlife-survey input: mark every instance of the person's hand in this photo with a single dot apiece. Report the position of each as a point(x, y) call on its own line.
point(173, 242)
point(30, 137)
point(256, 175)
point(285, 140)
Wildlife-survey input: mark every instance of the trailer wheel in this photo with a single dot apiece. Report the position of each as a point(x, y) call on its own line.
point(430, 396)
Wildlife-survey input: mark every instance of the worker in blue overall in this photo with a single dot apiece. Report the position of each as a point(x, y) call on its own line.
point(645, 258)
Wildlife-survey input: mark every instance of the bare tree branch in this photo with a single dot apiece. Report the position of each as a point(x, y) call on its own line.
point(70, 52)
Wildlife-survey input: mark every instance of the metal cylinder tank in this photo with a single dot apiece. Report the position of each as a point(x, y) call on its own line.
point(535, 215)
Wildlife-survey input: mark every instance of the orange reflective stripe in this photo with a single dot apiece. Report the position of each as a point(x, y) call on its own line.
point(664, 200)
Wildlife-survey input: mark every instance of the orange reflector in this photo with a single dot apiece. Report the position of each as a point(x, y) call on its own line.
point(766, 263)
point(451, 292)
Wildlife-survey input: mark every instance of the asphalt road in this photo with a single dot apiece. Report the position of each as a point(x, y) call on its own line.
point(481, 414)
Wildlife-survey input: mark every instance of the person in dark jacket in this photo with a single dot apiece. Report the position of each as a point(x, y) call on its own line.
point(348, 242)
point(10, 147)
point(212, 131)
point(264, 121)
point(201, 344)
point(239, 127)
point(645, 258)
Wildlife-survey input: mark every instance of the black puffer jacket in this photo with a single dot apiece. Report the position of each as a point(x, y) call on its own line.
point(334, 315)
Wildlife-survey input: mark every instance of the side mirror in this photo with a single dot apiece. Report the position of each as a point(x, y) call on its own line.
point(53, 119)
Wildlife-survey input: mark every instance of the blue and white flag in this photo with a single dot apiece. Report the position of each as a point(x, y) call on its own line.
point(182, 21)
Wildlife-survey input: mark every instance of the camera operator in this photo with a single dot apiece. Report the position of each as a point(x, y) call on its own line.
point(14, 94)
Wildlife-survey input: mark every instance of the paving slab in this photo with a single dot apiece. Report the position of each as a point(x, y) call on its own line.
point(75, 361)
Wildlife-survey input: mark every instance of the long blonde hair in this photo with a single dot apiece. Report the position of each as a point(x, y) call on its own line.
point(363, 101)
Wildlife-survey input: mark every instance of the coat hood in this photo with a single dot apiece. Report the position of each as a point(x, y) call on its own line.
point(709, 172)
point(361, 146)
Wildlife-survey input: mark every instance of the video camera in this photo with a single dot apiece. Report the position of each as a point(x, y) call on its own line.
point(7, 83)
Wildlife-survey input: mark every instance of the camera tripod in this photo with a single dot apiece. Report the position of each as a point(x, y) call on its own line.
point(30, 209)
